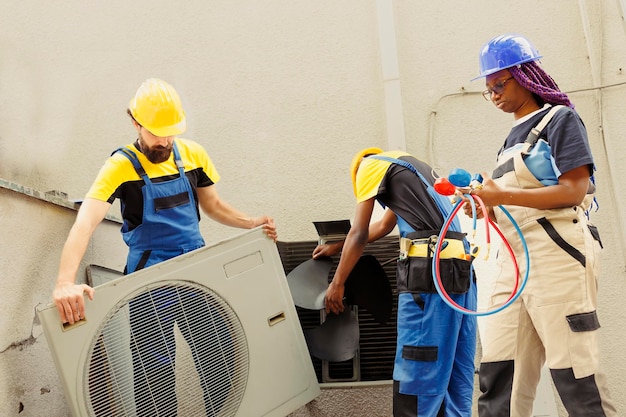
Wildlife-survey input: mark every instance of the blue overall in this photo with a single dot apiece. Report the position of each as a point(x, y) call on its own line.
point(170, 224)
point(434, 367)
point(433, 371)
point(170, 227)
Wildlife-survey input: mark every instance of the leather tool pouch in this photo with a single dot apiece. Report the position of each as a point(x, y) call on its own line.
point(415, 274)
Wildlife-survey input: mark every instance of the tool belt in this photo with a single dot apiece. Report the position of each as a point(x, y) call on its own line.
point(417, 249)
point(414, 246)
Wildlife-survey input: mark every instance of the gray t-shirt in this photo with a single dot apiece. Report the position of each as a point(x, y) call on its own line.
point(562, 146)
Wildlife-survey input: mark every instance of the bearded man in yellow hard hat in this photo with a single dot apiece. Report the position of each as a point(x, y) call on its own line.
point(163, 182)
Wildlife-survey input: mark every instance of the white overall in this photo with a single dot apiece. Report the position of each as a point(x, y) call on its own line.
point(554, 320)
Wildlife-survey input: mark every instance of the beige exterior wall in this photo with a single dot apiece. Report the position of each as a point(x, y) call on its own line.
point(282, 94)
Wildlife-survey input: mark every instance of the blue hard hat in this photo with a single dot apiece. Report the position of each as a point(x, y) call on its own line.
point(505, 51)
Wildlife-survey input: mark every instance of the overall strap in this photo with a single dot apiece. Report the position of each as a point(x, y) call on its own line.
point(177, 160)
point(440, 201)
point(535, 134)
point(132, 157)
point(403, 163)
point(536, 131)
point(135, 161)
point(529, 143)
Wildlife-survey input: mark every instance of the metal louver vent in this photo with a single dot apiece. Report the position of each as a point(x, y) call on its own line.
point(209, 361)
point(377, 341)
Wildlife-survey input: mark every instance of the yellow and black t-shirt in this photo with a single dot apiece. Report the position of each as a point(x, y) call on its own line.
point(400, 189)
point(118, 179)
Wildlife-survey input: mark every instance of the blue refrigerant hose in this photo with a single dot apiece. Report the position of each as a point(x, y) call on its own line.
point(435, 262)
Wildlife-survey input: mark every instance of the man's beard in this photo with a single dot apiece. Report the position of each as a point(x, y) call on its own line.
point(156, 154)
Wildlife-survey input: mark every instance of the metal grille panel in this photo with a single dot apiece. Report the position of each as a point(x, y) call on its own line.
point(377, 341)
point(196, 341)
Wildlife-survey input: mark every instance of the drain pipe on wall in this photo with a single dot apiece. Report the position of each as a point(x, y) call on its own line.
point(394, 113)
point(591, 15)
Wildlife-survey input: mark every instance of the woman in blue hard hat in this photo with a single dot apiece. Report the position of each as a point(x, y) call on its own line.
point(544, 178)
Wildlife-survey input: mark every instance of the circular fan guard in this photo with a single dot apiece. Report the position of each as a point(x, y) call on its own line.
point(174, 348)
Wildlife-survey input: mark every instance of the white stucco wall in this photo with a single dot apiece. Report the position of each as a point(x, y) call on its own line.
point(282, 94)
point(34, 232)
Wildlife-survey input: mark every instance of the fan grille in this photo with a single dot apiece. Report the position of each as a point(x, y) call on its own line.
point(160, 351)
point(377, 343)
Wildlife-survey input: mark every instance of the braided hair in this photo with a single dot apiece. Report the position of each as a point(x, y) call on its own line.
point(533, 78)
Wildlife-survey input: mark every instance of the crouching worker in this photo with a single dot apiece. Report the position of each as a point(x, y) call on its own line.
point(434, 366)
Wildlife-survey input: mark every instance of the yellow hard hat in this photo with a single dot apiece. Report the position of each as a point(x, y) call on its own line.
point(356, 161)
point(157, 107)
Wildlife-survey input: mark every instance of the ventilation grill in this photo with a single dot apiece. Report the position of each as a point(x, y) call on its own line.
point(206, 322)
point(377, 342)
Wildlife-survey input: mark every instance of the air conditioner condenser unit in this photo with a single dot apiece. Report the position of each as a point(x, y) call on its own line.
point(219, 322)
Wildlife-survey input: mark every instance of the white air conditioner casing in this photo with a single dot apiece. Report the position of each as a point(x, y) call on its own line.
point(246, 273)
